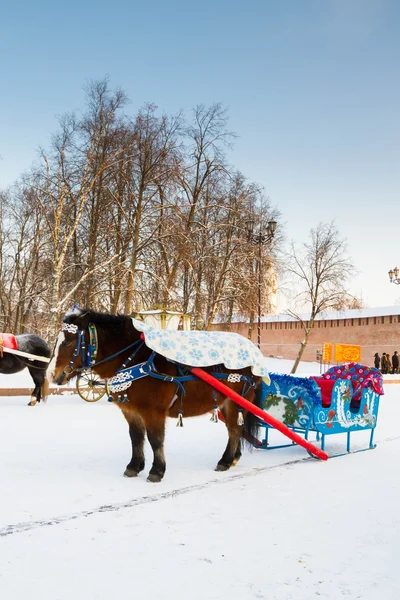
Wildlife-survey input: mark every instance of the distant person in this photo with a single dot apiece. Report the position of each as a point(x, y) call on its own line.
point(377, 360)
point(395, 363)
point(389, 363)
point(384, 364)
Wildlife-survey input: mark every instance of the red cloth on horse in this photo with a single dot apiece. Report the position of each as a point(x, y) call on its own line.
point(8, 340)
point(326, 387)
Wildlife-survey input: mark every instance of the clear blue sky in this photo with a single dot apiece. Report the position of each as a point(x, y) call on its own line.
point(312, 88)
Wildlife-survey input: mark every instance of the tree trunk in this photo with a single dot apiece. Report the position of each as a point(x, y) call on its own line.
point(301, 351)
point(251, 324)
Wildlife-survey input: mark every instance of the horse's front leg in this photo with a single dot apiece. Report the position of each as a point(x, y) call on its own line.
point(36, 394)
point(155, 427)
point(137, 434)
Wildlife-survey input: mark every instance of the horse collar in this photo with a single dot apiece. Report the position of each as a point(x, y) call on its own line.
point(93, 344)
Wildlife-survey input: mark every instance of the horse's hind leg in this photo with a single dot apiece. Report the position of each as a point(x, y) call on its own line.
point(137, 433)
point(233, 449)
point(155, 427)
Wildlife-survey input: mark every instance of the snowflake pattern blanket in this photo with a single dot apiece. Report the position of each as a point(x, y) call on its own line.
point(205, 348)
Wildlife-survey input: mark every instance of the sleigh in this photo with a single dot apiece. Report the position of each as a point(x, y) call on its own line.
point(345, 399)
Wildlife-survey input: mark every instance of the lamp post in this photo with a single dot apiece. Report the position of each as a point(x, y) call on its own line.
point(260, 239)
point(394, 276)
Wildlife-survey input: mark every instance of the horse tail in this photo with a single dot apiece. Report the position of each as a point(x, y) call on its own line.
point(251, 422)
point(45, 389)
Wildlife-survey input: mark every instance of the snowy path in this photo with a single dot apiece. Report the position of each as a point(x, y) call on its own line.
point(278, 526)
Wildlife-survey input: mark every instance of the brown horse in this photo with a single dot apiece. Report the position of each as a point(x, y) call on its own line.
point(149, 399)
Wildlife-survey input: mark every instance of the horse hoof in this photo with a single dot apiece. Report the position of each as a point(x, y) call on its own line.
point(32, 403)
point(130, 473)
point(221, 467)
point(154, 478)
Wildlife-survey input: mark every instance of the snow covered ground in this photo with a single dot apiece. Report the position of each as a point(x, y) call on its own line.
point(278, 526)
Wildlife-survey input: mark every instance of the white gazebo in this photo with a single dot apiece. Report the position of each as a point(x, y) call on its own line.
point(165, 319)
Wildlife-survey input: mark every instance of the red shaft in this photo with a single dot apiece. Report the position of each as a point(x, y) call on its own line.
point(217, 384)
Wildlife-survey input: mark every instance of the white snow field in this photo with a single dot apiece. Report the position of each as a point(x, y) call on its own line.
point(280, 525)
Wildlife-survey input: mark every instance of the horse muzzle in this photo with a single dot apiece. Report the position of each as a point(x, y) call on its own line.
point(62, 378)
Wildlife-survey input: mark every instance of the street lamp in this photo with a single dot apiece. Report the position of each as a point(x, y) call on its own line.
point(394, 276)
point(261, 239)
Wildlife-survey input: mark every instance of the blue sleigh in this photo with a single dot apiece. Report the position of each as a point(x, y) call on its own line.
point(345, 399)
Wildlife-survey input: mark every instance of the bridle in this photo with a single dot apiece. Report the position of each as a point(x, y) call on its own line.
point(80, 348)
point(89, 354)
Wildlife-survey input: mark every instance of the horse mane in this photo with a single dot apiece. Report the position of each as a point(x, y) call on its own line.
point(83, 316)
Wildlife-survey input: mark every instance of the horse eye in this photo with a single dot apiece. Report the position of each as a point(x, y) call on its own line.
point(67, 342)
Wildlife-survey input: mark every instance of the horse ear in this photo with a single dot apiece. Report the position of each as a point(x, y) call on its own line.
point(78, 317)
point(84, 319)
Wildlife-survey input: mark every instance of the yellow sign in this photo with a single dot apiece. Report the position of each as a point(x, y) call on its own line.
point(327, 353)
point(347, 353)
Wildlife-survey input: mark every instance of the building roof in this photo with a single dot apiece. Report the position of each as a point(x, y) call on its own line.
point(334, 315)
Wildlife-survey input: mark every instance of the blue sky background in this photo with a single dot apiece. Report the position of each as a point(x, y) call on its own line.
point(312, 89)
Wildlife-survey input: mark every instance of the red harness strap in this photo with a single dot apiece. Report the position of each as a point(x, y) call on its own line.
point(7, 340)
point(218, 385)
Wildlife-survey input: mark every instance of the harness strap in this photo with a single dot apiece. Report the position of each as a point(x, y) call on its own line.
point(81, 334)
point(89, 357)
point(124, 377)
point(138, 343)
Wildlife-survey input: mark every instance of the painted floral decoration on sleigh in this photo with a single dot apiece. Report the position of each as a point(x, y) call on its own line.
point(342, 400)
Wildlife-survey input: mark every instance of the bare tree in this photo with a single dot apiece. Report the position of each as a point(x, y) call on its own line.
point(202, 161)
point(64, 186)
point(100, 123)
point(21, 242)
point(154, 143)
point(124, 213)
point(349, 302)
point(321, 268)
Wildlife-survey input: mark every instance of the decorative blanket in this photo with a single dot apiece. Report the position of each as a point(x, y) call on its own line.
point(205, 348)
point(359, 375)
point(7, 340)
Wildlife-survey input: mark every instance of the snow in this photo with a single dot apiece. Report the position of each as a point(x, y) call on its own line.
point(278, 526)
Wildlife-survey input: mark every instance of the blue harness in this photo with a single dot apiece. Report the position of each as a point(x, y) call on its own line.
point(124, 378)
point(125, 375)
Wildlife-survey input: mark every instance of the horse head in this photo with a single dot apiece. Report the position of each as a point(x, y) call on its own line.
point(89, 337)
point(67, 359)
